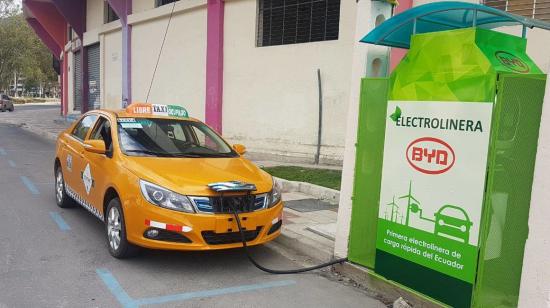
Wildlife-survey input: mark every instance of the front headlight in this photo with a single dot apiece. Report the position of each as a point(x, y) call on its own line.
point(165, 198)
point(274, 195)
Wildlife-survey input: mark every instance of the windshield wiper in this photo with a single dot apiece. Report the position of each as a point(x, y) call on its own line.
point(210, 154)
point(150, 153)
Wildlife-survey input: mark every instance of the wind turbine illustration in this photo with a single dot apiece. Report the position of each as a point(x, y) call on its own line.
point(394, 209)
point(411, 206)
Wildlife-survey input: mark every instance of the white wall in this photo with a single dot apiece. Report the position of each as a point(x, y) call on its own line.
point(180, 78)
point(94, 14)
point(535, 277)
point(111, 47)
point(142, 5)
point(270, 100)
point(357, 70)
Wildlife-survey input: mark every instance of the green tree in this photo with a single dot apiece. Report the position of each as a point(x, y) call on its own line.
point(21, 52)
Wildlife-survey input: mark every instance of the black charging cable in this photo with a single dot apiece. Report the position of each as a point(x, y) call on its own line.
point(271, 271)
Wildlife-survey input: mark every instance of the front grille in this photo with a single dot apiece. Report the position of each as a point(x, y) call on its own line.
point(213, 238)
point(168, 236)
point(243, 204)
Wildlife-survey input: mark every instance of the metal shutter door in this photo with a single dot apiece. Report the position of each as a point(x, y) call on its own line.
point(77, 81)
point(93, 77)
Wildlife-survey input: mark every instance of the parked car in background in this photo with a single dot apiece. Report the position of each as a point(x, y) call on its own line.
point(6, 103)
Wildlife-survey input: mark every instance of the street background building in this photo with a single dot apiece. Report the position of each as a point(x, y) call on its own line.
point(228, 65)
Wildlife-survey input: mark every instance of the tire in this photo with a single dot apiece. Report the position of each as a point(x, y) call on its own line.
point(115, 231)
point(11, 109)
point(61, 198)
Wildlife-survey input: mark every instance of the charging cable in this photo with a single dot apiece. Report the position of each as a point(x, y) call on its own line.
point(272, 271)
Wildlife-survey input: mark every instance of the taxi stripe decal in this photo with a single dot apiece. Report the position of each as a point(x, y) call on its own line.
point(83, 202)
point(169, 227)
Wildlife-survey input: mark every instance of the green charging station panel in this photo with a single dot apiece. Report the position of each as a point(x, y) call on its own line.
point(445, 159)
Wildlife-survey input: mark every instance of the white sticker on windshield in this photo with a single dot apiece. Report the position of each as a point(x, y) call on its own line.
point(131, 125)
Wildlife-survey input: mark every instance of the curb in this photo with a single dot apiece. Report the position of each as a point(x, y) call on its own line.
point(303, 246)
point(327, 194)
point(41, 133)
point(47, 135)
point(385, 289)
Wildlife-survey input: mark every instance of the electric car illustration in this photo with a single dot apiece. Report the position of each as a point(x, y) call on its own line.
point(160, 179)
point(452, 221)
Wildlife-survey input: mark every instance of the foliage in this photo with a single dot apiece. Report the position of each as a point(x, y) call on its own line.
point(322, 177)
point(21, 52)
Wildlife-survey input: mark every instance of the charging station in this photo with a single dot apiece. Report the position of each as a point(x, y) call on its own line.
point(445, 156)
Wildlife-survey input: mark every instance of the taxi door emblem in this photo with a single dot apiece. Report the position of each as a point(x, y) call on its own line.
point(69, 162)
point(87, 179)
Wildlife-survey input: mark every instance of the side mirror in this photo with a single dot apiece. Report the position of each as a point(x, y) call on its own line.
point(239, 148)
point(95, 146)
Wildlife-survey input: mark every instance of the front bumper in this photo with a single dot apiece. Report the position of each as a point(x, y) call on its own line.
point(185, 231)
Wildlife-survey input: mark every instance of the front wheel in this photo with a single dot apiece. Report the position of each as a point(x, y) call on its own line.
point(61, 197)
point(119, 247)
point(11, 109)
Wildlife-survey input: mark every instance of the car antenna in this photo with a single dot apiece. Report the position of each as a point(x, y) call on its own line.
point(160, 51)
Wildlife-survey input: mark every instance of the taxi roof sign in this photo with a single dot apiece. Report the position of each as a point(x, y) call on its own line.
point(157, 110)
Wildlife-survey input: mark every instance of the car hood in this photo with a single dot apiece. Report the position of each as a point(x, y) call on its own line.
point(190, 176)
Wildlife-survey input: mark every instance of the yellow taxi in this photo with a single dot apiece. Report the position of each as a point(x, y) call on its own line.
point(160, 179)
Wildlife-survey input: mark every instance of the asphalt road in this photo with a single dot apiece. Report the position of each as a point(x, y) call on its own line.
point(52, 257)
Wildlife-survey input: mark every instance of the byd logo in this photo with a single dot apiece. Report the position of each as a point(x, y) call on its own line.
point(430, 155)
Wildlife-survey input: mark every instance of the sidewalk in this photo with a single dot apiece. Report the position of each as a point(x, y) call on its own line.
point(309, 223)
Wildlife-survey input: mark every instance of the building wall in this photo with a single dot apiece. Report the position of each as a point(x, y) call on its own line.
point(535, 276)
point(270, 100)
point(142, 5)
point(112, 69)
point(70, 82)
point(94, 13)
point(181, 73)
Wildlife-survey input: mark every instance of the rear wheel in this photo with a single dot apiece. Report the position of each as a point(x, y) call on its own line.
point(61, 197)
point(115, 227)
point(11, 109)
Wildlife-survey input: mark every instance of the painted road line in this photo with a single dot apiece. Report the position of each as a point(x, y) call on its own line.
point(63, 226)
point(12, 163)
point(214, 292)
point(30, 185)
point(110, 281)
point(2, 152)
point(127, 302)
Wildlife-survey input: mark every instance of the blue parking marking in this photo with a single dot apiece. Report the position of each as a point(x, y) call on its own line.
point(2, 152)
point(127, 302)
point(213, 292)
point(110, 281)
point(63, 226)
point(30, 185)
point(12, 163)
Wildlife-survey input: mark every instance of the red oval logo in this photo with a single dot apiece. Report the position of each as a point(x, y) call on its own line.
point(430, 155)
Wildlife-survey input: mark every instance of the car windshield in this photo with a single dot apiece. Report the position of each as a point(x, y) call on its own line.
point(170, 138)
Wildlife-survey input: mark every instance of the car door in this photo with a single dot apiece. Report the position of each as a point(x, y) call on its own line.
point(98, 167)
point(72, 157)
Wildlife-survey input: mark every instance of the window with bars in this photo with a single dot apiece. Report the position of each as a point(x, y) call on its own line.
point(282, 22)
point(163, 2)
point(537, 9)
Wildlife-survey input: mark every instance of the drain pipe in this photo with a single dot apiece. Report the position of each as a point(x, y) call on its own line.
point(320, 125)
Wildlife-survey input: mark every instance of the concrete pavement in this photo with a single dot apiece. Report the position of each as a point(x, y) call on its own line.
point(52, 257)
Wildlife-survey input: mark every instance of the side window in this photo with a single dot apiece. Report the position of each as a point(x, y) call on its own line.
point(102, 131)
point(82, 128)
